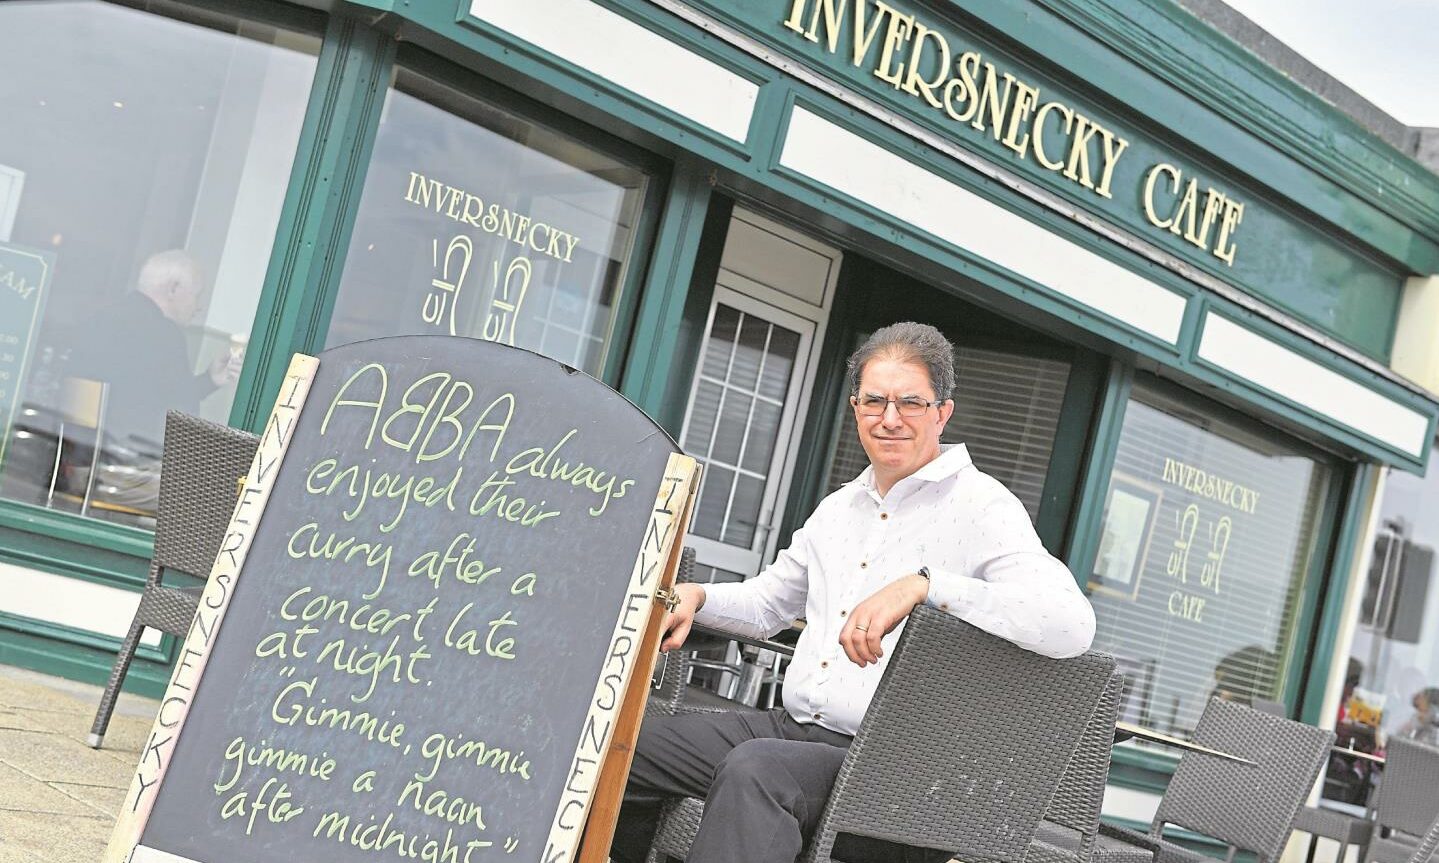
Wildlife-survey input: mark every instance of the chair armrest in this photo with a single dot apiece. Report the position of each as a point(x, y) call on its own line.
point(1163, 850)
point(1130, 837)
point(718, 634)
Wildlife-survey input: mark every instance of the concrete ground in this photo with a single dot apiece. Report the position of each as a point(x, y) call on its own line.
point(59, 797)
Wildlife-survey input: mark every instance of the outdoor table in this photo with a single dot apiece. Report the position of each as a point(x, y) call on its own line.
point(1146, 734)
point(1367, 756)
point(748, 676)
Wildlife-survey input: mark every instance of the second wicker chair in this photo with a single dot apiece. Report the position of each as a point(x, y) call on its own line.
point(961, 749)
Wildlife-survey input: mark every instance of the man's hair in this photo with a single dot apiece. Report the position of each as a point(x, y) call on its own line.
point(163, 269)
point(908, 342)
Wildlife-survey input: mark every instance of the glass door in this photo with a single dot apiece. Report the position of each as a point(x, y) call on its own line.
point(741, 410)
point(750, 392)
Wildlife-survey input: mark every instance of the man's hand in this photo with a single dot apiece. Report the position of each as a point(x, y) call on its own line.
point(878, 615)
point(225, 368)
point(678, 622)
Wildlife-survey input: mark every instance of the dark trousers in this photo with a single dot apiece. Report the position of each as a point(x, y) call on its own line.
point(763, 776)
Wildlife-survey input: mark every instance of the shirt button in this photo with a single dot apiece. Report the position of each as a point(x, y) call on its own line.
point(944, 606)
point(824, 663)
point(864, 564)
point(883, 516)
point(842, 613)
point(818, 716)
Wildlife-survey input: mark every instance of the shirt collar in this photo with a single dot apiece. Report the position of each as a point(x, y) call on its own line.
point(952, 459)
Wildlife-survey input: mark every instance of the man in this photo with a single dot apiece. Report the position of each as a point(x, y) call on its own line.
point(137, 345)
point(921, 524)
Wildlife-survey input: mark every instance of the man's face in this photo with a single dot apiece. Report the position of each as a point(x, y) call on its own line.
point(898, 445)
point(182, 302)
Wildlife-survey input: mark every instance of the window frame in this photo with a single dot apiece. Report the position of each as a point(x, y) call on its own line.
point(107, 553)
point(293, 312)
point(1325, 579)
point(445, 73)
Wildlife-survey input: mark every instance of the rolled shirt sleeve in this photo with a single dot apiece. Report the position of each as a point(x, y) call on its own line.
point(763, 605)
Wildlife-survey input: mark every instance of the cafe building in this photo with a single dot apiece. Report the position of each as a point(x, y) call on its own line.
point(1193, 302)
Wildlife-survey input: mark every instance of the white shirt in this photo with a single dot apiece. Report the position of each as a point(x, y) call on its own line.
point(986, 566)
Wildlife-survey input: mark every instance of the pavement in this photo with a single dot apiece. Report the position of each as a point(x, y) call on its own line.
point(58, 797)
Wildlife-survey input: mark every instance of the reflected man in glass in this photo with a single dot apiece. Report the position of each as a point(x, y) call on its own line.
point(131, 363)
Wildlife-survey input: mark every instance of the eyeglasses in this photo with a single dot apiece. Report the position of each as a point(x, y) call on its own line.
point(909, 406)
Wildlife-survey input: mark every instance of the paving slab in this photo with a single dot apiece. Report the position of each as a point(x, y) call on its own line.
point(23, 793)
point(20, 693)
point(97, 799)
point(10, 854)
point(20, 721)
point(58, 797)
point(55, 838)
point(57, 758)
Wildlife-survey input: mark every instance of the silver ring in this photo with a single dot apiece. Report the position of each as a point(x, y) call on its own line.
point(861, 627)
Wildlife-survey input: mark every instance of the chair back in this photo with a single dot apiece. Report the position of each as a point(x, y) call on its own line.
point(1080, 796)
point(964, 743)
point(1408, 795)
point(200, 475)
point(1251, 807)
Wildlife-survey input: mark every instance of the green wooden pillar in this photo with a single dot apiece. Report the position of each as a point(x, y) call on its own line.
point(1094, 483)
point(313, 235)
point(1087, 376)
point(1358, 502)
point(651, 368)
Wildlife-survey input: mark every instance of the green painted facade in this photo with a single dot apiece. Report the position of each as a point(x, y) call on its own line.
point(1334, 222)
point(1290, 262)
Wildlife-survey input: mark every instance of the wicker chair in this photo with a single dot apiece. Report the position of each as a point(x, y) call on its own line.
point(1249, 807)
point(200, 473)
point(1407, 803)
point(1341, 827)
point(1428, 846)
point(1318, 821)
point(1069, 832)
point(961, 749)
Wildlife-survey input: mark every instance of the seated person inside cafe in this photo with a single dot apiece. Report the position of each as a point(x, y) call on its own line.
point(921, 524)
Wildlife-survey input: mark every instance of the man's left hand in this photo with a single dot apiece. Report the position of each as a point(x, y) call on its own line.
point(877, 616)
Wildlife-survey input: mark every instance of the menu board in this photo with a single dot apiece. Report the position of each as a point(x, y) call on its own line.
point(418, 636)
point(24, 283)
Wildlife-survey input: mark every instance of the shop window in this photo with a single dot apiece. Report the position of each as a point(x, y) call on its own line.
point(1392, 682)
point(1207, 539)
point(476, 222)
point(143, 164)
point(1006, 413)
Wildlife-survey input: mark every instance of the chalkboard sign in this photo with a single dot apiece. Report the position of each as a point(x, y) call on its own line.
point(418, 636)
point(24, 281)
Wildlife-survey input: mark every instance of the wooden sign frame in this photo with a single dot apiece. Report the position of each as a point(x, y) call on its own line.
point(585, 818)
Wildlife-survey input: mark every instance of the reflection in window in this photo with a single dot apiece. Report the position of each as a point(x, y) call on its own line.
point(1392, 683)
point(475, 222)
point(137, 212)
point(1207, 537)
